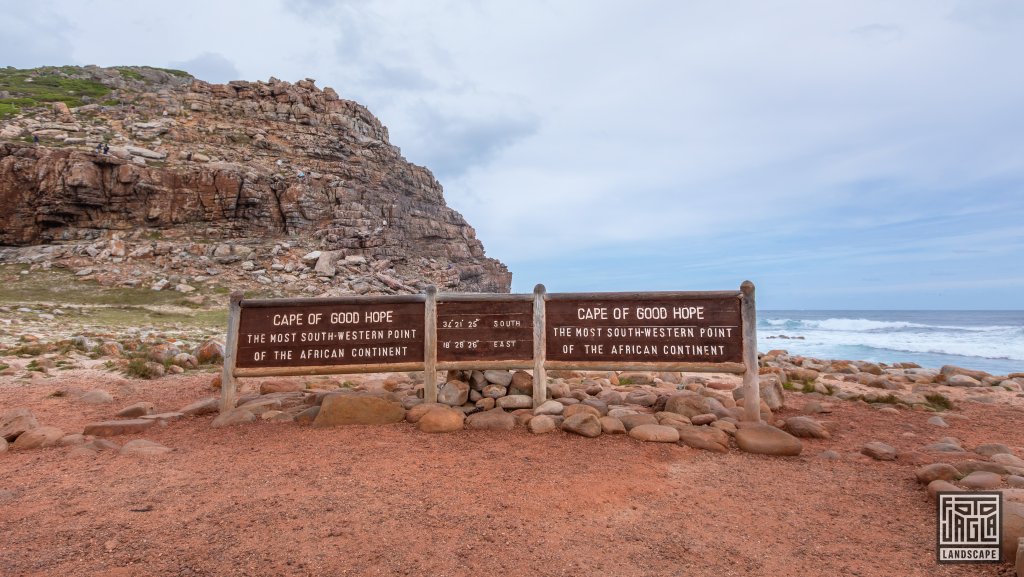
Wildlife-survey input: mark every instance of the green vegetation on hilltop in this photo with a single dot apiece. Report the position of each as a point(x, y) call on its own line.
point(39, 86)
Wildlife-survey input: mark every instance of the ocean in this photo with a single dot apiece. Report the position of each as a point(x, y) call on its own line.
point(991, 341)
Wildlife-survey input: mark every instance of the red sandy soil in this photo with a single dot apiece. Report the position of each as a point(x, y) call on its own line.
point(283, 499)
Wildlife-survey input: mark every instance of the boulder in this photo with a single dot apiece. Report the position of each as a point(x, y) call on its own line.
point(549, 408)
point(3, 445)
point(112, 428)
point(497, 377)
point(135, 410)
point(938, 421)
point(143, 448)
point(942, 471)
point(939, 485)
point(704, 438)
point(542, 424)
point(493, 420)
point(205, 406)
point(654, 433)
point(962, 381)
point(982, 481)
point(38, 438)
point(1008, 460)
point(686, 403)
point(705, 419)
point(637, 419)
point(767, 440)
point(580, 409)
point(521, 384)
point(612, 426)
point(1013, 528)
point(879, 451)
point(642, 398)
point(210, 352)
point(453, 393)
point(233, 417)
point(585, 424)
point(512, 402)
point(992, 449)
point(414, 414)
point(806, 427)
point(15, 422)
point(360, 409)
point(270, 387)
point(442, 420)
point(494, 391)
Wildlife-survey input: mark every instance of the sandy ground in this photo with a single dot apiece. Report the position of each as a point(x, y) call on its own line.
point(281, 499)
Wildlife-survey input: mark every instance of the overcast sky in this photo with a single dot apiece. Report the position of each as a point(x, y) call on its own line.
point(864, 154)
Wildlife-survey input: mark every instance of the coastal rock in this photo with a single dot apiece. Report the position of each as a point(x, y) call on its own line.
point(205, 406)
point(501, 378)
point(521, 384)
point(416, 412)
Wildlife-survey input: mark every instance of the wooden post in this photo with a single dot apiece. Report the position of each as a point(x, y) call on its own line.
point(227, 375)
point(430, 346)
point(751, 386)
point(540, 380)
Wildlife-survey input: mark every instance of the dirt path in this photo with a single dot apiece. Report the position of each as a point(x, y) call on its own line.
point(280, 499)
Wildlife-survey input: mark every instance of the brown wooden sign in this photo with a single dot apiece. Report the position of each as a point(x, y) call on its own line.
point(709, 331)
point(639, 330)
point(306, 335)
point(484, 331)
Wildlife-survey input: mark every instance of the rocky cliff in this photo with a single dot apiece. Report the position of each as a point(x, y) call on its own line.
point(229, 173)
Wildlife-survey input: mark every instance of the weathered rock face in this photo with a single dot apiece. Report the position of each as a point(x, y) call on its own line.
point(242, 160)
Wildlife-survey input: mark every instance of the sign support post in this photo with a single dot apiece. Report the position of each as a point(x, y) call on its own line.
point(430, 346)
point(540, 380)
point(751, 386)
point(227, 375)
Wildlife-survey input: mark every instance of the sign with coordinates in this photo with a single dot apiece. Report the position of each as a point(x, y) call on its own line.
point(644, 330)
point(484, 331)
point(330, 334)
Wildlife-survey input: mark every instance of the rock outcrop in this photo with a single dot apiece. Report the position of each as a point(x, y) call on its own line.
point(237, 164)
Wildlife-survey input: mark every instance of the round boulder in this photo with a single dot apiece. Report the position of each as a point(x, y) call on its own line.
point(585, 424)
point(542, 424)
point(768, 440)
point(942, 471)
point(441, 420)
point(981, 480)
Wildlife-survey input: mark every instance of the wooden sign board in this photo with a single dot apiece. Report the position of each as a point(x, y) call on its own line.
point(660, 331)
point(644, 329)
point(313, 334)
point(488, 330)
